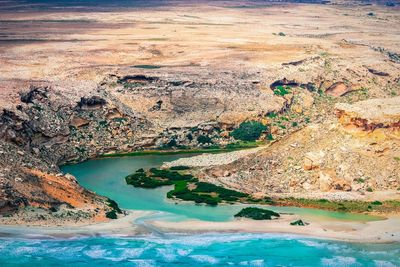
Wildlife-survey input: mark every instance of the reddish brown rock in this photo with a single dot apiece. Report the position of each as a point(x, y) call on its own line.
point(78, 122)
point(338, 89)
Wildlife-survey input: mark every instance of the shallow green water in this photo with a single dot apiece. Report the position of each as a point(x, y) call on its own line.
point(106, 177)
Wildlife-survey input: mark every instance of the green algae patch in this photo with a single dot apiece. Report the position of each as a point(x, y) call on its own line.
point(257, 214)
point(186, 186)
point(147, 67)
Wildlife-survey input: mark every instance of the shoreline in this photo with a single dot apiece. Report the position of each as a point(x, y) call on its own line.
point(382, 231)
point(177, 151)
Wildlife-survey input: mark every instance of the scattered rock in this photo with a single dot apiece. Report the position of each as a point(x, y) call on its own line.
point(78, 122)
point(34, 92)
point(379, 73)
point(338, 89)
point(284, 81)
point(313, 160)
point(299, 223)
point(91, 102)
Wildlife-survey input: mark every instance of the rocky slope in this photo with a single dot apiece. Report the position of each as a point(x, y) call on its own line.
point(125, 113)
point(348, 158)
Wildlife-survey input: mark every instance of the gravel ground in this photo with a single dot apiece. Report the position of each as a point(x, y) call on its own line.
point(206, 160)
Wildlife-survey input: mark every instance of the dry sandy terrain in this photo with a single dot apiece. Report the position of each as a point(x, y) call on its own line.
point(73, 50)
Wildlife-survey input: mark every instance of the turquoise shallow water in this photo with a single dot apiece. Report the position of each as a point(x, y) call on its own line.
point(106, 177)
point(196, 250)
point(214, 249)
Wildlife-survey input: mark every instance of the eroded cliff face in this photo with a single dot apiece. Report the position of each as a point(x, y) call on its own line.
point(125, 113)
point(336, 159)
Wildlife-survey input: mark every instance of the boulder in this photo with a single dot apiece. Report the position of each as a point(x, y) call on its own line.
point(313, 160)
point(338, 89)
point(78, 122)
point(329, 181)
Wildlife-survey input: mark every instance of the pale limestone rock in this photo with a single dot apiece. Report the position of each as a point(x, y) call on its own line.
point(313, 160)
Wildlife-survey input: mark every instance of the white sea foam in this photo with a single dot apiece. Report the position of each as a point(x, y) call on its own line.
point(384, 264)
point(311, 243)
point(96, 252)
point(205, 239)
point(26, 250)
point(144, 263)
point(121, 243)
point(253, 263)
point(205, 259)
point(184, 252)
point(339, 261)
point(168, 254)
point(128, 253)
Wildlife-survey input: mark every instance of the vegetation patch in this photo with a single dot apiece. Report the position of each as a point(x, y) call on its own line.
point(141, 179)
point(186, 186)
point(257, 214)
point(204, 139)
point(342, 206)
point(111, 215)
point(147, 66)
point(114, 205)
point(249, 131)
point(179, 168)
point(282, 90)
point(298, 223)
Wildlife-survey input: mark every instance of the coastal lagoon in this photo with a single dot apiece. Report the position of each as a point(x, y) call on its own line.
point(106, 177)
point(157, 248)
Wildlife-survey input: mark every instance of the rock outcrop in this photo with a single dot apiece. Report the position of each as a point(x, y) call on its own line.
point(325, 160)
point(379, 117)
point(125, 113)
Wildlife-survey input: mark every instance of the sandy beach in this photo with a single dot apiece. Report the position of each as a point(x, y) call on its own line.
point(124, 226)
point(381, 231)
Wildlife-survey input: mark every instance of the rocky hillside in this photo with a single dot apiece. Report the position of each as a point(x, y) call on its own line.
point(126, 112)
point(356, 156)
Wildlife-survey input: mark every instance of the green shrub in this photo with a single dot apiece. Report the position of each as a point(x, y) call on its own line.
point(171, 143)
point(111, 214)
point(249, 131)
point(369, 189)
point(378, 203)
point(298, 222)
point(281, 90)
point(140, 179)
point(257, 213)
point(114, 205)
point(170, 175)
point(203, 139)
point(222, 192)
point(179, 168)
